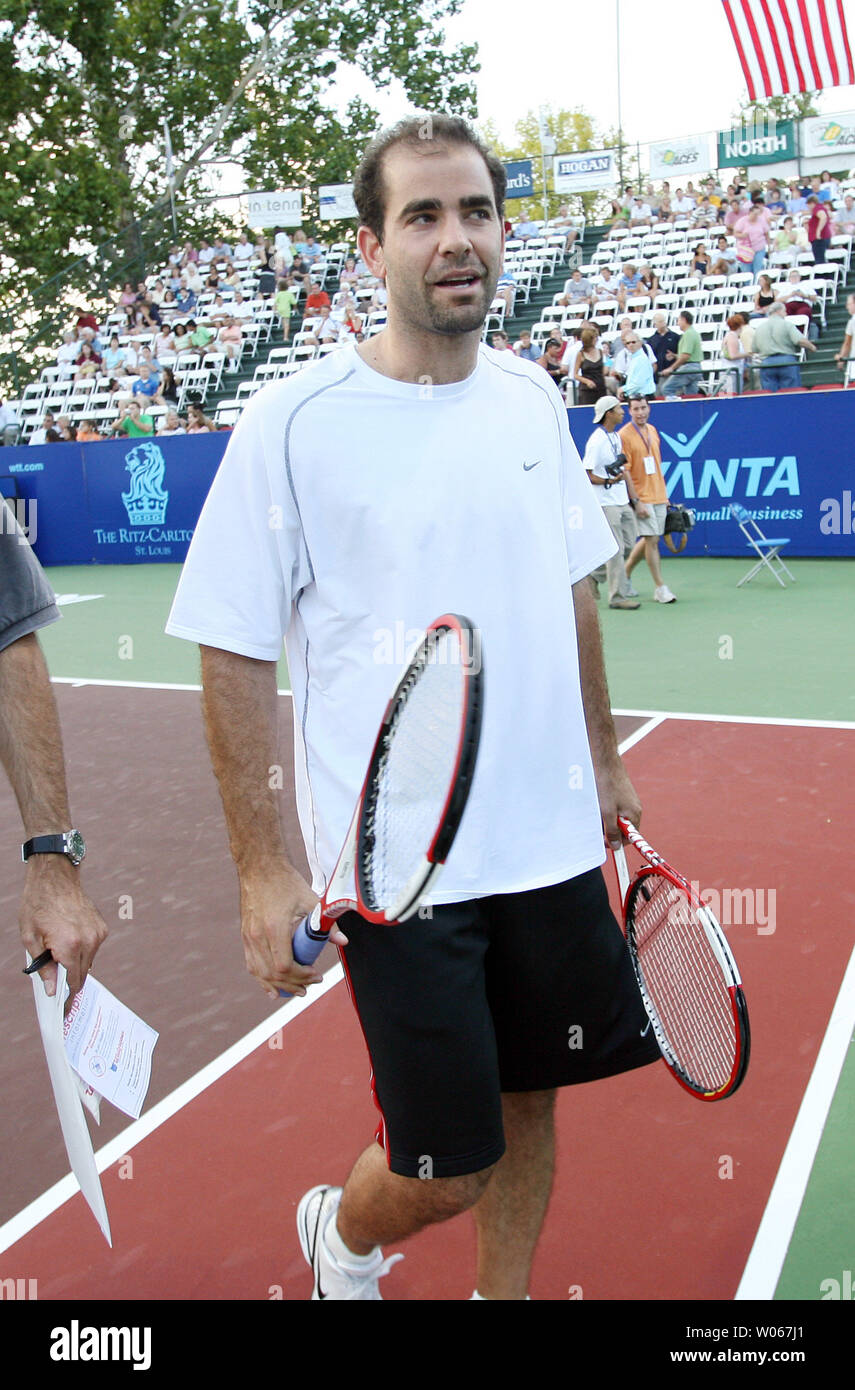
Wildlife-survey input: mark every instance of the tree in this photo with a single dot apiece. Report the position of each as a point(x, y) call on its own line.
point(570, 129)
point(796, 106)
point(85, 86)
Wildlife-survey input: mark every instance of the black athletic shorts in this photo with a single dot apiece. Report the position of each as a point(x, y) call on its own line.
point(516, 992)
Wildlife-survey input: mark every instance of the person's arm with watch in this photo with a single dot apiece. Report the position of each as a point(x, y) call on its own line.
point(55, 913)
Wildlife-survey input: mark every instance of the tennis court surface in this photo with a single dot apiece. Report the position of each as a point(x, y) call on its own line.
point(745, 764)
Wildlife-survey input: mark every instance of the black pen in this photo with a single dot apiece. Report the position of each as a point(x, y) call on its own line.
point(34, 965)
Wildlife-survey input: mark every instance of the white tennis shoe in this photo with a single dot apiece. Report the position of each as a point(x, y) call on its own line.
point(333, 1279)
point(663, 594)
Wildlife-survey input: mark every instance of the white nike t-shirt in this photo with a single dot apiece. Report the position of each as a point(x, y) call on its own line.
point(349, 511)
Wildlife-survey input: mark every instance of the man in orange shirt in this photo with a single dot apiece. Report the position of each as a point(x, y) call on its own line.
point(640, 442)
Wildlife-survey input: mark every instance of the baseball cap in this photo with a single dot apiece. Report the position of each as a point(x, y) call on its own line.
point(602, 405)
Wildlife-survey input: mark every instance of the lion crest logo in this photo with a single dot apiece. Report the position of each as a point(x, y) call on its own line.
point(145, 501)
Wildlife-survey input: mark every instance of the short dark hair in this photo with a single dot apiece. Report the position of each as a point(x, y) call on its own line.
point(687, 315)
point(368, 187)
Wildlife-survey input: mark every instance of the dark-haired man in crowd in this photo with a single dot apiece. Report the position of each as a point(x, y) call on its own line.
point(684, 377)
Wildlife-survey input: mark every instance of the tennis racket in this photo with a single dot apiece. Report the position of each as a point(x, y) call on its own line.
point(415, 789)
point(687, 975)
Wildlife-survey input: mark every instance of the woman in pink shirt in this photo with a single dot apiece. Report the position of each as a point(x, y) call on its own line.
point(752, 236)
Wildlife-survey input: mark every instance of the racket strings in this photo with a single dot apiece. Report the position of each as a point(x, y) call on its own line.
point(682, 979)
point(415, 771)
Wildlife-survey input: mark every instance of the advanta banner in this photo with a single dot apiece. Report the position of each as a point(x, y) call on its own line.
point(784, 458)
point(520, 180)
point(585, 171)
point(132, 501)
point(830, 136)
point(748, 145)
point(681, 158)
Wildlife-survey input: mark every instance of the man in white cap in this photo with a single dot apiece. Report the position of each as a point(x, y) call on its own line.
point(607, 470)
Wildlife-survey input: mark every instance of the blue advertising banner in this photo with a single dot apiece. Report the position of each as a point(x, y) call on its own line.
point(520, 178)
point(132, 501)
point(786, 459)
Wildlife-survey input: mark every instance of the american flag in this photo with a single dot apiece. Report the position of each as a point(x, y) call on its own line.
point(790, 45)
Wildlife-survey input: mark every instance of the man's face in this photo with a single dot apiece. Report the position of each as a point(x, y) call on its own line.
point(613, 418)
point(639, 411)
point(683, 325)
point(659, 323)
point(794, 277)
point(443, 241)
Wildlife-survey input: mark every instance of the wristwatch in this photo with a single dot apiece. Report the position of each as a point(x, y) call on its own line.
point(70, 843)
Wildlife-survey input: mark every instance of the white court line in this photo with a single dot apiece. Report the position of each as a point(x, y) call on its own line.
point(763, 1268)
point(741, 719)
point(78, 681)
point(657, 714)
point(632, 739)
point(18, 1226)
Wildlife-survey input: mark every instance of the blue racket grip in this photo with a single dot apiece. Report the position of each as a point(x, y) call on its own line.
point(307, 945)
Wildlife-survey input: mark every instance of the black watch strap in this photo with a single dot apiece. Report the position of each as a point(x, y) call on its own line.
point(70, 844)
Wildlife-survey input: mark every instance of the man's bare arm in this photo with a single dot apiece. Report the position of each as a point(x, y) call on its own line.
point(240, 708)
point(616, 793)
point(55, 913)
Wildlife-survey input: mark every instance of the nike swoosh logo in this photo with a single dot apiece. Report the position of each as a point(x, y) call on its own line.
point(644, 1030)
point(527, 467)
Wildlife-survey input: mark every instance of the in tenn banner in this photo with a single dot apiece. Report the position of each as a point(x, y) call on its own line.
point(283, 209)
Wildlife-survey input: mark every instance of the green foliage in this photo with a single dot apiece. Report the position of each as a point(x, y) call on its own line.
point(571, 130)
point(85, 86)
point(796, 106)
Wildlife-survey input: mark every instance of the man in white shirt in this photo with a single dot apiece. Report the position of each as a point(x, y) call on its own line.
point(349, 501)
point(605, 285)
point(39, 436)
point(640, 214)
point(243, 250)
point(241, 308)
point(67, 354)
point(606, 464)
point(844, 218)
point(683, 205)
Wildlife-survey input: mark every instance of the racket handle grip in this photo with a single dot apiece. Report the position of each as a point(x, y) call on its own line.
point(309, 940)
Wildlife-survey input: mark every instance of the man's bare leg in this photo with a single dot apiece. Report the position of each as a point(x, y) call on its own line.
point(510, 1214)
point(646, 548)
point(378, 1207)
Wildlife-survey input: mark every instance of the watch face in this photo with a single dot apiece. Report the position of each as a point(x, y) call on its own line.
point(76, 846)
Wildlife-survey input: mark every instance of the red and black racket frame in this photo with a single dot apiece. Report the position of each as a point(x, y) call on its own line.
point(657, 865)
